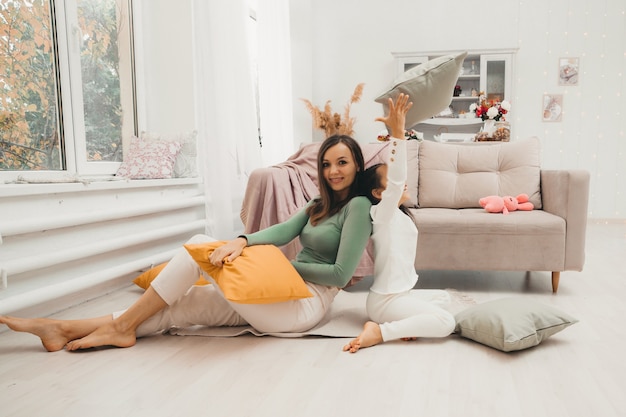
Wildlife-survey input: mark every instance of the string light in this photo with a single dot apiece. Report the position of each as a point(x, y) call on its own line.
point(590, 133)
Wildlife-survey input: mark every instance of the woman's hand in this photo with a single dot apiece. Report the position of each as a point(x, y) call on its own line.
point(396, 119)
point(228, 251)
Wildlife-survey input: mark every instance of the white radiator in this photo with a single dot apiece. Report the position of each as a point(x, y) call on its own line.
point(43, 260)
point(83, 243)
point(52, 292)
point(42, 224)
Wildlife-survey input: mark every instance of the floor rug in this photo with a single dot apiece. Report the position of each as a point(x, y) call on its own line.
point(344, 319)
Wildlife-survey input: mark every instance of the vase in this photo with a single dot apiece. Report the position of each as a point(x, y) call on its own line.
point(489, 126)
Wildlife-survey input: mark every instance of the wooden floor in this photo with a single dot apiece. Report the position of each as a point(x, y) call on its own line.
point(578, 372)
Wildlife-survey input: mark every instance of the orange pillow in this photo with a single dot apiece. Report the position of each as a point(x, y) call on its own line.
point(262, 274)
point(146, 278)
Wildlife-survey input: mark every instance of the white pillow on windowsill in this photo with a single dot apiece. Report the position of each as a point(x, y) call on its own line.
point(149, 159)
point(185, 165)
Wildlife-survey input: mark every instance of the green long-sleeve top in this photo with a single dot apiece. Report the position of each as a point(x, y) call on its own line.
point(331, 249)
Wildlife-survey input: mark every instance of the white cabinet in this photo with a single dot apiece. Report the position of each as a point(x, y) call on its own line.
point(490, 72)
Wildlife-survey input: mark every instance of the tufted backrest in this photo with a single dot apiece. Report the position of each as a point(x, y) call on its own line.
point(457, 176)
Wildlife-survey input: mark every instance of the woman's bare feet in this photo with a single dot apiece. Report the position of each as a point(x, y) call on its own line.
point(110, 334)
point(370, 336)
point(54, 334)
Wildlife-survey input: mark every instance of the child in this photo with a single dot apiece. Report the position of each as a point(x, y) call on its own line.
point(397, 310)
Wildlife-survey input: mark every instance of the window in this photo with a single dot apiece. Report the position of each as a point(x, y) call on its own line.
point(66, 76)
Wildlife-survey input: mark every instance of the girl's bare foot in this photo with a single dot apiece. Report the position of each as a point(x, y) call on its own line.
point(54, 334)
point(110, 334)
point(370, 336)
point(353, 346)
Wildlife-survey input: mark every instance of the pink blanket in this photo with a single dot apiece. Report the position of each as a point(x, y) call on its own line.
point(273, 194)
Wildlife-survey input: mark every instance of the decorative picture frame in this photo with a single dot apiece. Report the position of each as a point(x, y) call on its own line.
point(569, 69)
point(552, 108)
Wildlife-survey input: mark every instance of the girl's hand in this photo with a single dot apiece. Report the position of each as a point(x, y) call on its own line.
point(396, 119)
point(228, 252)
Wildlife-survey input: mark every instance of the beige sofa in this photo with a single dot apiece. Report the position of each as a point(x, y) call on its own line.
point(445, 182)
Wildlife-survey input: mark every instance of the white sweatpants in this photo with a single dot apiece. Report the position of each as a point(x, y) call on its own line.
point(414, 313)
point(189, 304)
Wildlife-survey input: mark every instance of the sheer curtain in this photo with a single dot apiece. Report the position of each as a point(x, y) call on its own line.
point(225, 110)
point(274, 70)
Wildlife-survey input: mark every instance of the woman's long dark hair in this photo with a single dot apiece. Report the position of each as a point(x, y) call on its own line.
point(371, 180)
point(327, 204)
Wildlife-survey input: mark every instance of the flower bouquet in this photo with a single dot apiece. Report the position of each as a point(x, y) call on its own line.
point(490, 113)
point(490, 110)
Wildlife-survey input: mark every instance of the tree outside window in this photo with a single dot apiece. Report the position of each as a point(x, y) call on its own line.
point(32, 133)
point(29, 121)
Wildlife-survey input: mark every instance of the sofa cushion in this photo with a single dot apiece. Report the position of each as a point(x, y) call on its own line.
point(458, 176)
point(472, 239)
point(412, 171)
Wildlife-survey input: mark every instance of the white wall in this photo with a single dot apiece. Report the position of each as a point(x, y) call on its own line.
point(351, 42)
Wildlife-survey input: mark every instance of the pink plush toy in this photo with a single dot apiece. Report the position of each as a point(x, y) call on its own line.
point(497, 204)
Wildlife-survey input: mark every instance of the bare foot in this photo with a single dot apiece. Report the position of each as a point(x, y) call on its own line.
point(353, 346)
point(370, 336)
point(409, 339)
point(54, 334)
point(109, 334)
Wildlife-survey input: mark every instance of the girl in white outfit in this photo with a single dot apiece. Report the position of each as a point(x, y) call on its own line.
point(396, 309)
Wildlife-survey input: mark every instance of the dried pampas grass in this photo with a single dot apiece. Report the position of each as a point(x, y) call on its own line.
point(334, 123)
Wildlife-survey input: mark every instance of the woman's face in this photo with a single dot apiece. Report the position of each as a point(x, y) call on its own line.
point(339, 169)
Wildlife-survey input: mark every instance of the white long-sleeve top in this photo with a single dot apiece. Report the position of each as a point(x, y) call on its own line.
point(394, 233)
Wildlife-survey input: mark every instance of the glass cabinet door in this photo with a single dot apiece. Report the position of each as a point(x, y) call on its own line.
point(406, 63)
point(495, 76)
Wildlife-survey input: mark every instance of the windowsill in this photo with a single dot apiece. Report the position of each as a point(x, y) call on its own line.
point(16, 190)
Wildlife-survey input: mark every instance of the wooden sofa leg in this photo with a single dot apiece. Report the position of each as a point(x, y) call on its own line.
point(555, 281)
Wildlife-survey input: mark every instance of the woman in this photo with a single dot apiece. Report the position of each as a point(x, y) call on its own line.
point(333, 229)
point(397, 310)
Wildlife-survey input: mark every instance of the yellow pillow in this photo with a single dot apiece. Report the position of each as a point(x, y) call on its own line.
point(260, 275)
point(146, 278)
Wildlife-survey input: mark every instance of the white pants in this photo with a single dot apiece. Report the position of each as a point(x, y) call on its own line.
point(189, 304)
point(414, 313)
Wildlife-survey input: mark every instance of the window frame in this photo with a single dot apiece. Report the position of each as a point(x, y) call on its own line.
point(66, 38)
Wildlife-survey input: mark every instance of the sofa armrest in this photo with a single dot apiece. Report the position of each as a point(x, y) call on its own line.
point(565, 193)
